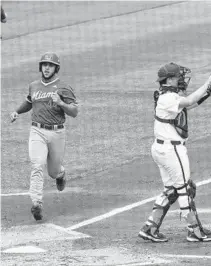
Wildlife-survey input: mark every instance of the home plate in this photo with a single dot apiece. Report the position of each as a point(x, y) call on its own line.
point(19, 235)
point(24, 249)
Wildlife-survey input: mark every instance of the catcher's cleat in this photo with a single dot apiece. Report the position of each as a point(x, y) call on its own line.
point(156, 236)
point(206, 231)
point(61, 183)
point(37, 212)
point(204, 236)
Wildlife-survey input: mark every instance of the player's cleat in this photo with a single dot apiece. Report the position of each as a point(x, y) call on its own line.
point(205, 236)
point(206, 231)
point(36, 211)
point(155, 236)
point(61, 183)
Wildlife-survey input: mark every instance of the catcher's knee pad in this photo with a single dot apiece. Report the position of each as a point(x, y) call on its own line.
point(162, 205)
point(188, 189)
point(188, 193)
point(171, 194)
point(191, 187)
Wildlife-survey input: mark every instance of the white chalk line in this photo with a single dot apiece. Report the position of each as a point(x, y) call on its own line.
point(123, 209)
point(186, 256)
point(67, 190)
point(140, 263)
point(113, 212)
point(201, 210)
point(66, 230)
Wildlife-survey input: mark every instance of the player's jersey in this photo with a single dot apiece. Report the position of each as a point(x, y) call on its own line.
point(167, 108)
point(43, 110)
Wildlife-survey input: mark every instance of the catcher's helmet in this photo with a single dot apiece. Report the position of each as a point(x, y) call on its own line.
point(173, 70)
point(168, 71)
point(50, 58)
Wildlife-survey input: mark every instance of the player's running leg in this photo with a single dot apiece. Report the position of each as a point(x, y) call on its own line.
point(56, 148)
point(38, 154)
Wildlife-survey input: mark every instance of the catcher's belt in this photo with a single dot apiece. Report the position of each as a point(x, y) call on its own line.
point(173, 142)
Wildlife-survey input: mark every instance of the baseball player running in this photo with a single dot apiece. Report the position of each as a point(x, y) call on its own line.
point(170, 153)
point(50, 100)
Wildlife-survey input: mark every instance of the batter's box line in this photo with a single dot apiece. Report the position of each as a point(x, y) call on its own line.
point(186, 256)
point(68, 231)
point(199, 210)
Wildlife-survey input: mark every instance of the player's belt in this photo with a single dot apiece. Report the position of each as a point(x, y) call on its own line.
point(173, 142)
point(49, 127)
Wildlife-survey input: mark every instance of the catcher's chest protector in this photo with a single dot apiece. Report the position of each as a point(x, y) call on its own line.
point(180, 123)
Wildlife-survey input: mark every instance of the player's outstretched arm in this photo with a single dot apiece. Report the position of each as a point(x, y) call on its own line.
point(197, 96)
point(204, 98)
point(23, 108)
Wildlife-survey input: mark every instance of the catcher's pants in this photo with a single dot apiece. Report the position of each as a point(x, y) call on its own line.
point(173, 164)
point(45, 147)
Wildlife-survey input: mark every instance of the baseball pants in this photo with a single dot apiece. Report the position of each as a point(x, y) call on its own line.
point(173, 163)
point(45, 147)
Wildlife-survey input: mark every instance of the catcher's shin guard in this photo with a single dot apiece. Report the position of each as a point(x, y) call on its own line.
point(161, 207)
point(188, 209)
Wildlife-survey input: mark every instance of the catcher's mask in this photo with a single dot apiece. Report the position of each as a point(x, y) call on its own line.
point(50, 58)
point(173, 70)
point(185, 76)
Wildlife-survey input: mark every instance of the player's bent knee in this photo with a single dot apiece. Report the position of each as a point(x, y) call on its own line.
point(55, 175)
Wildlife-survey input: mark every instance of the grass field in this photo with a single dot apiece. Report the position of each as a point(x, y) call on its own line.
point(110, 53)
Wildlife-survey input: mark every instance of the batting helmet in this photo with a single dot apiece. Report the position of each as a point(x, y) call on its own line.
point(50, 58)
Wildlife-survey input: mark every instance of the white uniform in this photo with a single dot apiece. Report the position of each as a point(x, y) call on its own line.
point(170, 154)
point(172, 160)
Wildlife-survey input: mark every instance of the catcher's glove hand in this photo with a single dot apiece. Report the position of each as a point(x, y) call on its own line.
point(209, 89)
point(65, 95)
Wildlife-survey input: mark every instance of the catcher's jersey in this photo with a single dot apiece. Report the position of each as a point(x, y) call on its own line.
point(167, 108)
point(43, 109)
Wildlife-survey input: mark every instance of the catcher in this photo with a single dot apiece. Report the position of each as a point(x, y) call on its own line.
point(50, 100)
point(170, 153)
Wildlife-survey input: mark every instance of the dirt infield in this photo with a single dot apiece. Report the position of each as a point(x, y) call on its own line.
point(110, 53)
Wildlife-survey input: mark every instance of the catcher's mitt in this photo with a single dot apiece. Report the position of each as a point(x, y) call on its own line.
point(66, 95)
